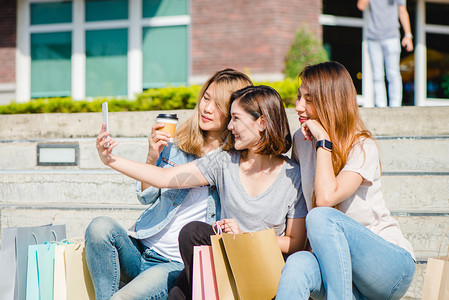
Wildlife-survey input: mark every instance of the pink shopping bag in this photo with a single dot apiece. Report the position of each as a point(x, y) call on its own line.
point(204, 285)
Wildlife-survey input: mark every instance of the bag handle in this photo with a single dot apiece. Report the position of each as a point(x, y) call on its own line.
point(216, 228)
point(441, 244)
point(35, 238)
point(55, 235)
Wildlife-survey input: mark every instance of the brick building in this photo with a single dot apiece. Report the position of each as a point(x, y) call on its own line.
point(88, 48)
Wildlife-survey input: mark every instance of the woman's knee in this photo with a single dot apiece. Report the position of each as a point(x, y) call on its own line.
point(194, 233)
point(318, 218)
point(100, 229)
point(301, 275)
point(301, 262)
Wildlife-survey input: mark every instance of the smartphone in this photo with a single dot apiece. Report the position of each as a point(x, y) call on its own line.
point(104, 109)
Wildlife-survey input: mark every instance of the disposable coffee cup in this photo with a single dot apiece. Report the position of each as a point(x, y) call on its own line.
point(169, 121)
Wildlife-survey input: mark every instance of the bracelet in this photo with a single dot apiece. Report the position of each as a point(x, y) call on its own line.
point(409, 35)
point(325, 144)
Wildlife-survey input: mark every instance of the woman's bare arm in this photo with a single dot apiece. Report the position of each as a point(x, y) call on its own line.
point(182, 176)
point(295, 236)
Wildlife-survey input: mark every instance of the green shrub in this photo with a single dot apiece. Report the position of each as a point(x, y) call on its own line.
point(169, 98)
point(305, 50)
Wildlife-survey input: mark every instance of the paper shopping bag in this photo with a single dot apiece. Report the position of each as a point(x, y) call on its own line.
point(225, 281)
point(40, 272)
point(59, 285)
point(32, 285)
point(8, 264)
point(16, 240)
point(436, 282)
point(78, 281)
point(204, 284)
point(256, 262)
point(45, 269)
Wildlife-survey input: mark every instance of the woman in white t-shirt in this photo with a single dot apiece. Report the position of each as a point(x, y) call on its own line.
point(358, 250)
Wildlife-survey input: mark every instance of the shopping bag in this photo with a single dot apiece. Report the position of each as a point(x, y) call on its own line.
point(256, 262)
point(32, 286)
point(8, 264)
point(204, 284)
point(15, 242)
point(78, 282)
point(59, 284)
point(436, 282)
point(225, 281)
point(40, 271)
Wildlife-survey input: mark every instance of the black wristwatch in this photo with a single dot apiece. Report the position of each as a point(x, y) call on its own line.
point(324, 144)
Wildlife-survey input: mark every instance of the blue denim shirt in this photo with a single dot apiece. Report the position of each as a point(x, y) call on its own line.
point(164, 203)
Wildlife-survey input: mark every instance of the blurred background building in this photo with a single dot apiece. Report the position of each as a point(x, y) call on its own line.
point(89, 48)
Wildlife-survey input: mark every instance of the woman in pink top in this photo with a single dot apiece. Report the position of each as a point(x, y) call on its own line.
point(358, 250)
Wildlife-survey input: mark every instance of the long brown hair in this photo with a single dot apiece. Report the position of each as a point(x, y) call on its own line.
point(264, 101)
point(189, 137)
point(334, 97)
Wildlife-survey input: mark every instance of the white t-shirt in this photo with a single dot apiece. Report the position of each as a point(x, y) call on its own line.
point(366, 205)
point(192, 208)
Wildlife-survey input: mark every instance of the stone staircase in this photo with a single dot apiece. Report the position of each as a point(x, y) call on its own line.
point(413, 143)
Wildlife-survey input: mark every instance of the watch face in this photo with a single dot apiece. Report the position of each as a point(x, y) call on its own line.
point(324, 144)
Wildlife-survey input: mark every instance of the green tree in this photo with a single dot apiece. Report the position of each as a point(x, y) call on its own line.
point(305, 50)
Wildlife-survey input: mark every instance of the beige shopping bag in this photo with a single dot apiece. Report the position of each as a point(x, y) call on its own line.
point(225, 281)
point(256, 262)
point(436, 282)
point(78, 281)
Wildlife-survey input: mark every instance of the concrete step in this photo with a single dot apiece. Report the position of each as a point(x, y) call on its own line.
point(397, 154)
point(419, 153)
point(76, 219)
point(425, 233)
point(404, 193)
point(67, 187)
point(403, 121)
point(416, 192)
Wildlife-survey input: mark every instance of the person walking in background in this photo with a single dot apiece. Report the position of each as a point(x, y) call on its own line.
point(384, 46)
point(147, 257)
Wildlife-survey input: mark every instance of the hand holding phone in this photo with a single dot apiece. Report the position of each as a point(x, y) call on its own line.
point(104, 109)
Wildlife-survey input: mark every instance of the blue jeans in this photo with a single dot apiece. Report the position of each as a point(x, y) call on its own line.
point(348, 261)
point(113, 256)
point(386, 53)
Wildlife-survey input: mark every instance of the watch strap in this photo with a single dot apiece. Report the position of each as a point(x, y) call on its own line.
point(326, 144)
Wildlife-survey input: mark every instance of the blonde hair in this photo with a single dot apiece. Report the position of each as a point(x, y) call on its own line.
point(189, 137)
point(334, 97)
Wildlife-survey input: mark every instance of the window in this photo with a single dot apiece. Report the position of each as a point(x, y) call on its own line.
point(342, 19)
point(437, 65)
point(89, 48)
point(102, 10)
point(164, 56)
point(341, 8)
point(164, 8)
point(348, 52)
point(50, 51)
point(50, 64)
point(50, 13)
point(106, 62)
